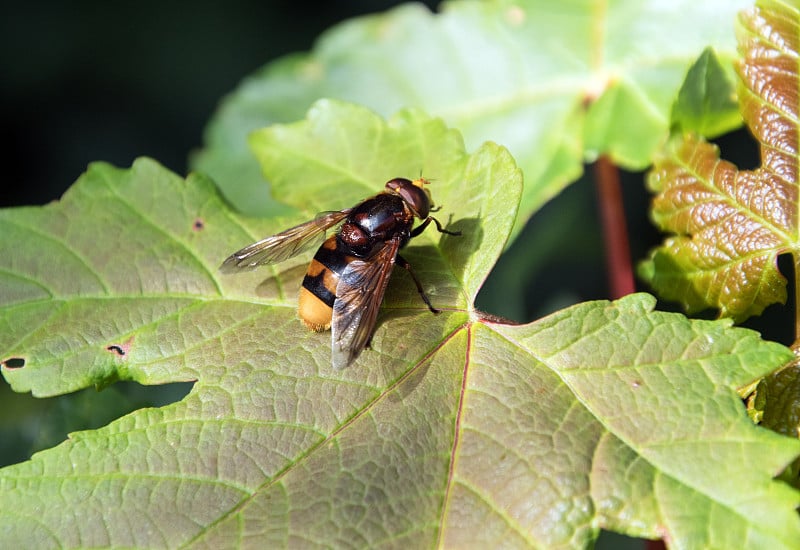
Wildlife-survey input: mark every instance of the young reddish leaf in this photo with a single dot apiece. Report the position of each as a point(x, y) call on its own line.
point(730, 225)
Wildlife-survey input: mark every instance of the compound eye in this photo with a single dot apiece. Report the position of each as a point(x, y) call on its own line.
point(397, 183)
point(414, 195)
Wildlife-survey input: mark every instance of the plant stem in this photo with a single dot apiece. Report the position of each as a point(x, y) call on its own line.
point(615, 232)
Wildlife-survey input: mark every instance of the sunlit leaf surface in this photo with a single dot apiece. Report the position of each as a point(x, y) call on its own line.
point(454, 430)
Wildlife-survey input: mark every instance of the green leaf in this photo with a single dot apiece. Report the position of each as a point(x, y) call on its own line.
point(343, 149)
point(145, 261)
point(621, 378)
point(706, 102)
point(453, 430)
point(557, 83)
point(731, 225)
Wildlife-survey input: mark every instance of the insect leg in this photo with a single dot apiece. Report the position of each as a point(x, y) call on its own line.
point(442, 230)
point(402, 262)
point(421, 227)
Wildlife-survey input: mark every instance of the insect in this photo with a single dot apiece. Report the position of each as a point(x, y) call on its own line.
point(345, 282)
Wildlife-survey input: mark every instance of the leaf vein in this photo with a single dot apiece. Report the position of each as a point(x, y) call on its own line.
point(192, 253)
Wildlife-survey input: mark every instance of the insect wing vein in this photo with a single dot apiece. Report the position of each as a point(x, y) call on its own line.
point(283, 245)
point(359, 295)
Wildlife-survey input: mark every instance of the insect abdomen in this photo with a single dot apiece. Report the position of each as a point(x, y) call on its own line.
point(318, 291)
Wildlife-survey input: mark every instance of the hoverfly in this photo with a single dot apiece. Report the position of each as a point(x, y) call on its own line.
point(345, 282)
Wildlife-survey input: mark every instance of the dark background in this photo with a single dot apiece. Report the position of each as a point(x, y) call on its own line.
point(98, 80)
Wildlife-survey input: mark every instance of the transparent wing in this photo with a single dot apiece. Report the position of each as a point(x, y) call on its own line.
point(358, 298)
point(282, 246)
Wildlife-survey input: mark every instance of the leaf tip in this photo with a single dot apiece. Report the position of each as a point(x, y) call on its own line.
point(706, 102)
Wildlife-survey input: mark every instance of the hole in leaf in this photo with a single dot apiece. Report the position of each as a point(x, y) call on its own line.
point(31, 424)
point(121, 349)
point(14, 363)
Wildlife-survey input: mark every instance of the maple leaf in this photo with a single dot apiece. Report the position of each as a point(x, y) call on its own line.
point(453, 430)
point(731, 225)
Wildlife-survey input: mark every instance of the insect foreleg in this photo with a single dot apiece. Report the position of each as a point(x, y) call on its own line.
point(421, 227)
